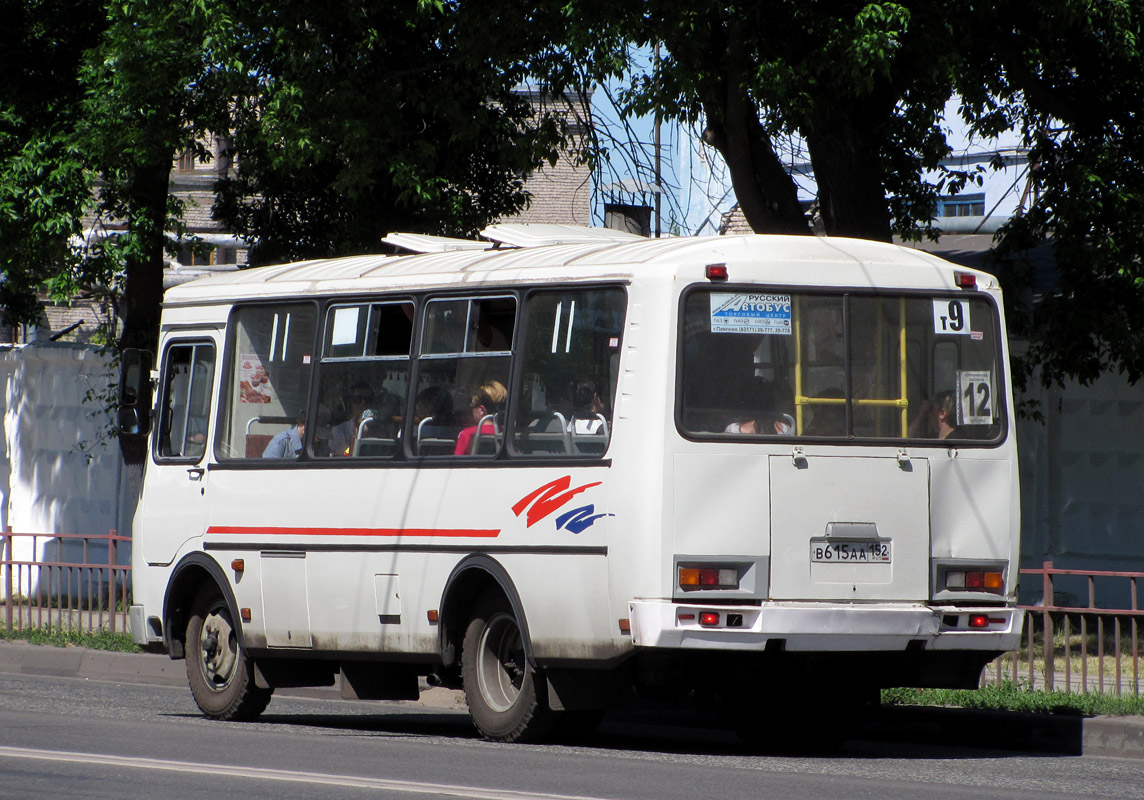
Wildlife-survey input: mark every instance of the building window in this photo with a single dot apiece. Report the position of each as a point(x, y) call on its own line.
point(962, 205)
point(186, 160)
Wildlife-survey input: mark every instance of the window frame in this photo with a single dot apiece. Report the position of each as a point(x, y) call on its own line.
point(519, 365)
point(421, 301)
point(163, 395)
point(226, 384)
point(327, 308)
point(844, 293)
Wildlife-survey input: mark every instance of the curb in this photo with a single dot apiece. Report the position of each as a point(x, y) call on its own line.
point(1118, 737)
point(101, 665)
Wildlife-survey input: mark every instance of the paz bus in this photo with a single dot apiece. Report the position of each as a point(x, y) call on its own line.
point(578, 467)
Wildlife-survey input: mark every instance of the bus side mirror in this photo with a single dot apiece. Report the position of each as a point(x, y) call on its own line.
point(135, 392)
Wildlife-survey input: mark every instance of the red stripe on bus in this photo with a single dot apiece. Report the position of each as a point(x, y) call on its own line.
point(452, 532)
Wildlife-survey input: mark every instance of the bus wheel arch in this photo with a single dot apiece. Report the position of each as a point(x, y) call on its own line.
point(485, 630)
point(189, 576)
point(474, 577)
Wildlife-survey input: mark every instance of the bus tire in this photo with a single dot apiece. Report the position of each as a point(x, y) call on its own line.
point(219, 673)
point(502, 689)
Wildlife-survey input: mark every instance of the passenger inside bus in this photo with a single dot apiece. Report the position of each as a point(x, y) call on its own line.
point(343, 435)
point(829, 419)
point(937, 418)
point(433, 413)
point(588, 416)
point(761, 415)
point(485, 404)
point(287, 443)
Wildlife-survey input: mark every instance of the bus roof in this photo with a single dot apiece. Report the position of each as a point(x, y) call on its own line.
point(780, 260)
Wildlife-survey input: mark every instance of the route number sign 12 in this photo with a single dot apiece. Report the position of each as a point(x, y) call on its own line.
point(975, 397)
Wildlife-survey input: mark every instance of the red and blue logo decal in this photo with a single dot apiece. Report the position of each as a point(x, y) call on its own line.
point(550, 498)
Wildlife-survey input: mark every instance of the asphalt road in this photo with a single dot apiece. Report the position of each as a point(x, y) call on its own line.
point(71, 737)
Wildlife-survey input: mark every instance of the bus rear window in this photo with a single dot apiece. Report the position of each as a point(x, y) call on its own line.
point(839, 366)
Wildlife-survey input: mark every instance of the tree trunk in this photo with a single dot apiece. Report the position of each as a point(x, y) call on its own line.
point(143, 283)
point(844, 153)
point(766, 193)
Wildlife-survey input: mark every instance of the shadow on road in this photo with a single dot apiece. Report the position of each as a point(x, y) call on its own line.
point(893, 732)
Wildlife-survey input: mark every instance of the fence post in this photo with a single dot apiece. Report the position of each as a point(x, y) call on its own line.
point(112, 560)
point(1047, 626)
point(7, 553)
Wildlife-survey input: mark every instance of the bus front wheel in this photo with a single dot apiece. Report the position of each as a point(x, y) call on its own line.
point(501, 687)
point(220, 675)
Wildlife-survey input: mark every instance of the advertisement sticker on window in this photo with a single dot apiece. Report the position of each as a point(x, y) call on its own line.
point(751, 313)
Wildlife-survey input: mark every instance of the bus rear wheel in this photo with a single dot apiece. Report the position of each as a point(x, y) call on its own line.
point(501, 687)
point(218, 671)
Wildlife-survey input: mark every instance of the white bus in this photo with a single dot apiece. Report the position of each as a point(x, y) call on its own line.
point(755, 469)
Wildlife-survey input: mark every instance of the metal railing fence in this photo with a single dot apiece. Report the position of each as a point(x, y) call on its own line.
point(1072, 647)
point(64, 581)
point(73, 582)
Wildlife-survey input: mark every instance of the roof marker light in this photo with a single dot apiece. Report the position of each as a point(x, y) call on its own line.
point(965, 280)
point(716, 272)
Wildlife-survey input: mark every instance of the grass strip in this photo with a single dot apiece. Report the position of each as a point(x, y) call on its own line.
point(54, 637)
point(1010, 697)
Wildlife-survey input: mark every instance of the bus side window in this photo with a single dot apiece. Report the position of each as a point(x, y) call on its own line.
point(570, 347)
point(270, 351)
point(364, 379)
point(185, 401)
point(462, 376)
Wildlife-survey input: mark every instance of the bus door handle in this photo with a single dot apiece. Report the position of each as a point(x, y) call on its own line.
point(195, 473)
point(904, 461)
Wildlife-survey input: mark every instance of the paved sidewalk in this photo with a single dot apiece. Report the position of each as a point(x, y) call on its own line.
point(1121, 737)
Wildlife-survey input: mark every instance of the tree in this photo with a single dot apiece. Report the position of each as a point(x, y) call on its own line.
point(1071, 78)
point(44, 185)
point(148, 95)
point(91, 129)
point(349, 120)
point(862, 86)
point(352, 120)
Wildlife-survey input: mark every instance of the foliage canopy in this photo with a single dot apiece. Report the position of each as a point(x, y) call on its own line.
point(350, 120)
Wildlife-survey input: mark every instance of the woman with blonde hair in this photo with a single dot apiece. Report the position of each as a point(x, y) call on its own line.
point(487, 400)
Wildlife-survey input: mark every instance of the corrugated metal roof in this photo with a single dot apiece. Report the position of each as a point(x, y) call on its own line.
point(758, 258)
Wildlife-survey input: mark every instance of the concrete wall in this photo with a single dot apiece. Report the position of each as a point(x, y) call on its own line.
point(1082, 483)
point(56, 476)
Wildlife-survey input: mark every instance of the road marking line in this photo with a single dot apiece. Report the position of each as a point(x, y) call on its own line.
point(414, 787)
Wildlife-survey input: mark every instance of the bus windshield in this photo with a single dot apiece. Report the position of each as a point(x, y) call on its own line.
point(841, 365)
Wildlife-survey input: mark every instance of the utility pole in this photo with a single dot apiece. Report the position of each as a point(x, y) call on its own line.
point(655, 146)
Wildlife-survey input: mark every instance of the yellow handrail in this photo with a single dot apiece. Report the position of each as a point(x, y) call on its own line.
point(902, 402)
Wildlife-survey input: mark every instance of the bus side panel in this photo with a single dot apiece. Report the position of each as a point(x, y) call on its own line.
point(974, 510)
point(373, 563)
point(721, 504)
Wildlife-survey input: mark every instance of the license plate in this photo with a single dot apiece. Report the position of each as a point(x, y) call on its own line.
point(860, 552)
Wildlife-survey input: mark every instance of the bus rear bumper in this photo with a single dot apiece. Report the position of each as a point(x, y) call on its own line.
point(810, 627)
